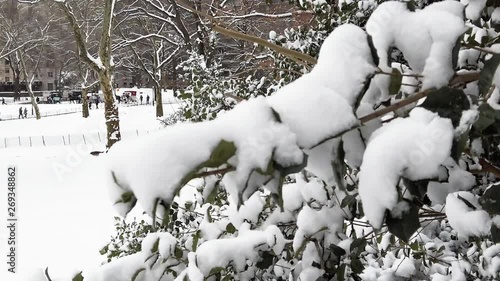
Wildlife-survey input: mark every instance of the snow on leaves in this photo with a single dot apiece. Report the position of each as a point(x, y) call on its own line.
point(412, 148)
point(252, 139)
point(309, 123)
point(426, 37)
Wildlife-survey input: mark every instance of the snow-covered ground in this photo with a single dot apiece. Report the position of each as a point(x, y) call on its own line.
point(137, 117)
point(64, 212)
point(11, 111)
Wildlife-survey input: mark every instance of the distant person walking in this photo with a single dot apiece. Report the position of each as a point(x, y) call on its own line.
point(147, 99)
point(25, 112)
point(141, 98)
point(20, 112)
point(97, 102)
point(3, 101)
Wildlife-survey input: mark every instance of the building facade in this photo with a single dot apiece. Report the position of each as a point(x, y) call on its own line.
point(45, 78)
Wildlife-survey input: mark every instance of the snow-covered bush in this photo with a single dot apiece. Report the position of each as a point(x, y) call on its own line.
point(329, 178)
point(213, 89)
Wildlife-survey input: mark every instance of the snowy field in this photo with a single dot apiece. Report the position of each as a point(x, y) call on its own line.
point(11, 111)
point(64, 213)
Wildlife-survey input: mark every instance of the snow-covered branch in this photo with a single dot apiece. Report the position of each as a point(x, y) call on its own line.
point(255, 14)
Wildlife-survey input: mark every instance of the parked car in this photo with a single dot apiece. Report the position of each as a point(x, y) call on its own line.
point(55, 97)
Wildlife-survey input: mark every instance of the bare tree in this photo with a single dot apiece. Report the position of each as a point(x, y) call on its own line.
point(35, 60)
point(152, 51)
point(103, 64)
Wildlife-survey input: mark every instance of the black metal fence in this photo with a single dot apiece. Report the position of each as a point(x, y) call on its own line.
point(69, 139)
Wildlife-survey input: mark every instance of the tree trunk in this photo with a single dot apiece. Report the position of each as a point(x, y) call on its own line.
point(17, 86)
point(174, 74)
point(33, 101)
point(85, 103)
point(159, 103)
point(110, 109)
point(29, 84)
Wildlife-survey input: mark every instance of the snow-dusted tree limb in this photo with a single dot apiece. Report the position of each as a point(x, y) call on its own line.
point(127, 42)
point(219, 27)
point(105, 42)
point(457, 79)
point(5, 52)
point(79, 37)
point(256, 14)
point(170, 15)
point(154, 54)
point(35, 64)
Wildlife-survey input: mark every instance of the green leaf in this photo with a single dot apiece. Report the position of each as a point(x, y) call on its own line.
point(404, 227)
point(78, 277)
point(458, 146)
point(338, 165)
point(269, 169)
point(185, 95)
point(448, 103)
point(357, 266)
point(416, 188)
point(487, 73)
point(104, 250)
point(276, 115)
point(127, 197)
point(486, 117)
point(341, 272)
point(209, 215)
point(495, 233)
point(280, 201)
point(166, 215)
point(301, 248)
point(230, 228)
point(373, 50)
point(337, 251)
point(216, 270)
point(357, 247)
point(395, 82)
point(488, 123)
point(136, 274)
point(178, 252)
point(348, 200)
point(411, 6)
point(155, 246)
point(455, 52)
point(196, 238)
point(490, 201)
point(219, 156)
point(221, 153)
point(213, 194)
point(414, 245)
point(266, 261)
point(285, 171)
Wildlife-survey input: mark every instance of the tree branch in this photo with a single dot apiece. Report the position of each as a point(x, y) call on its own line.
point(80, 40)
point(219, 27)
point(458, 79)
